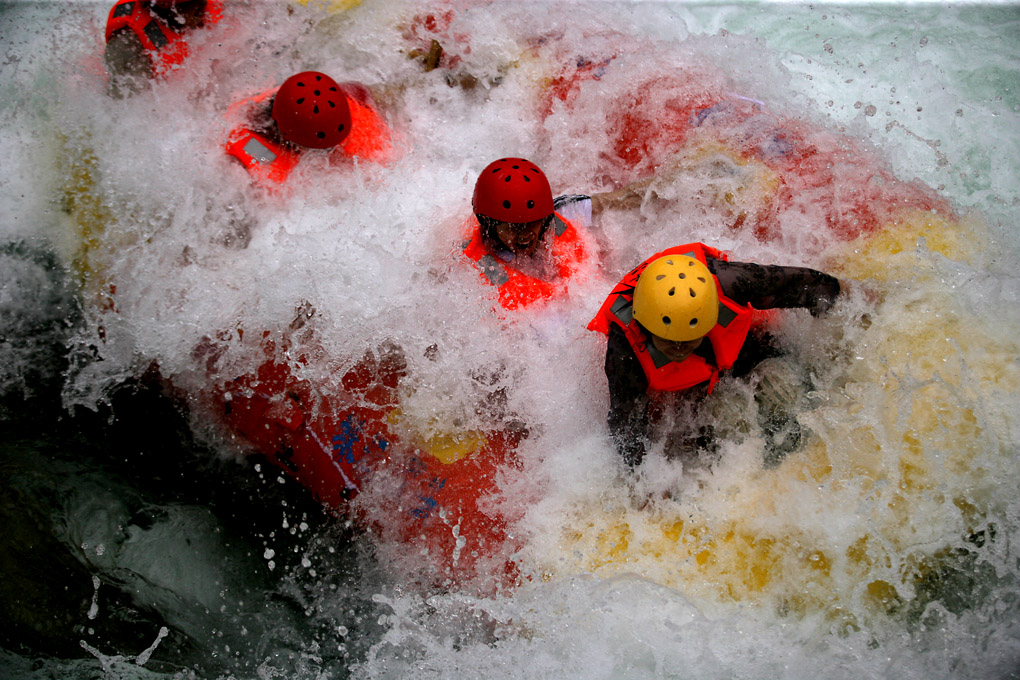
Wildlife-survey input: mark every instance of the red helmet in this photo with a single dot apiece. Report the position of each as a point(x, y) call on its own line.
point(513, 190)
point(310, 110)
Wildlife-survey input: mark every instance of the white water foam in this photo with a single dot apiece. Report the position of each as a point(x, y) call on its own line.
point(915, 406)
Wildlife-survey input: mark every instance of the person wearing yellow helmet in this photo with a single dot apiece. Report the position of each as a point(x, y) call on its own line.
point(684, 315)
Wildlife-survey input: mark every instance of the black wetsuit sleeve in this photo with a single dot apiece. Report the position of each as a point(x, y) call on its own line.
point(765, 286)
point(628, 398)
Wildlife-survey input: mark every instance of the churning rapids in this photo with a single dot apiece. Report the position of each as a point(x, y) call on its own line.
point(141, 268)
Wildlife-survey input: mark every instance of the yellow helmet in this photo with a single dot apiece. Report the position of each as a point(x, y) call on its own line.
point(675, 298)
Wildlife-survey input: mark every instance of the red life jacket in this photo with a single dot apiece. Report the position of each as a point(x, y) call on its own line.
point(727, 336)
point(369, 138)
point(271, 162)
point(517, 289)
point(165, 46)
point(268, 162)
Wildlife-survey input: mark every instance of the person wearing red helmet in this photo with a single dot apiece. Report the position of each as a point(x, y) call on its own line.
point(520, 238)
point(310, 110)
point(147, 38)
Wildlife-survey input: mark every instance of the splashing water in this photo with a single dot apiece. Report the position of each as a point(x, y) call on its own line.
point(874, 142)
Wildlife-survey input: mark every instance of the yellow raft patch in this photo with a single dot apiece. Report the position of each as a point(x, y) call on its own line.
point(91, 220)
point(331, 6)
point(447, 447)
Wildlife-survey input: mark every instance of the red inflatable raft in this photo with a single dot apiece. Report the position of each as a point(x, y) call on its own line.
point(800, 167)
point(429, 498)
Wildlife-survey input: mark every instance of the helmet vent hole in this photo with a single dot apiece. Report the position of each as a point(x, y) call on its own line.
point(301, 101)
point(660, 277)
point(669, 262)
point(315, 109)
point(702, 279)
point(507, 179)
point(672, 292)
point(531, 204)
point(683, 276)
point(666, 320)
point(506, 204)
point(516, 167)
point(694, 322)
point(320, 134)
point(332, 105)
point(300, 84)
point(526, 178)
point(693, 294)
point(332, 89)
point(317, 93)
point(340, 128)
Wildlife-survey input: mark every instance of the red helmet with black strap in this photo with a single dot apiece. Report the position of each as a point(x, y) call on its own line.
point(513, 190)
point(312, 111)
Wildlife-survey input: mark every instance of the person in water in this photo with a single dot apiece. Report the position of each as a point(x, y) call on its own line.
point(146, 39)
point(520, 238)
point(309, 110)
point(684, 316)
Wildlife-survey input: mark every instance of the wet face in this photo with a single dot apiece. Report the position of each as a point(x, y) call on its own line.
point(521, 240)
point(675, 350)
